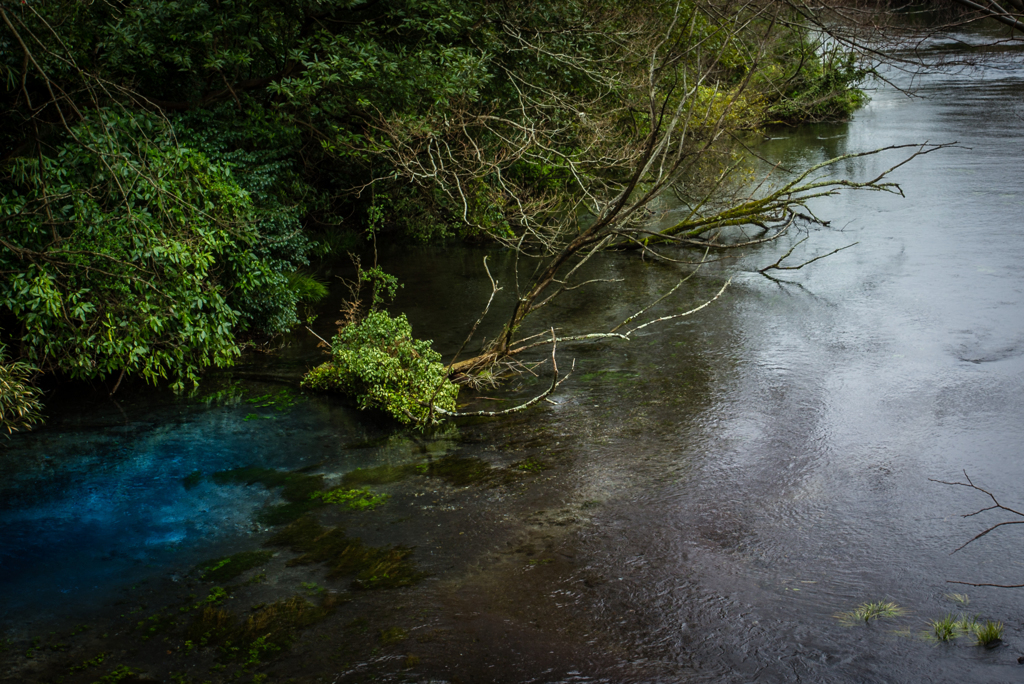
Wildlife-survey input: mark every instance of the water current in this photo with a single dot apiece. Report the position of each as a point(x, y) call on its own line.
point(716, 491)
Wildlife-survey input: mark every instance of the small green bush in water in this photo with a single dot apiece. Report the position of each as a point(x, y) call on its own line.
point(379, 363)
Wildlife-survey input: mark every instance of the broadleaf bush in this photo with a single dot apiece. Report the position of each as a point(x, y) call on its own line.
point(381, 365)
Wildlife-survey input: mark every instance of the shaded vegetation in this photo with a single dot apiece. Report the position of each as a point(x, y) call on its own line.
point(20, 401)
point(169, 168)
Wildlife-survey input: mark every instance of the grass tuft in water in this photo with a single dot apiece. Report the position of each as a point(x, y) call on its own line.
point(866, 612)
point(989, 634)
point(960, 599)
point(945, 628)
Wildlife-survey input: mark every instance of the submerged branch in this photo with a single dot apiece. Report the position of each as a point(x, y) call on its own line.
point(555, 382)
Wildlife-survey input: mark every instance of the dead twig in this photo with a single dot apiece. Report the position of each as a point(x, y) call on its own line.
point(996, 506)
point(778, 264)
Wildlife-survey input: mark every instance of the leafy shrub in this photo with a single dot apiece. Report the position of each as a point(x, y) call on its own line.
point(128, 253)
point(19, 400)
point(379, 363)
point(822, 87)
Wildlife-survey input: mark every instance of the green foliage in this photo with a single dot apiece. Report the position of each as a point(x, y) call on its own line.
point(306, 287)
point(383, 286)
point(945, 628)
point(379, 363)
point(813, 86)
point(166, 166)
point(128, 253)
point(20, 405)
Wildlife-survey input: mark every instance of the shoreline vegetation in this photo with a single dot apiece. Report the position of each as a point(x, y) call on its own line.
point(172, 174)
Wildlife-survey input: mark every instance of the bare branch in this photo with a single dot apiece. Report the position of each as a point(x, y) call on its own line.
point(778, 264)
point(494, 290)
point(555, 382)
point(995, 506)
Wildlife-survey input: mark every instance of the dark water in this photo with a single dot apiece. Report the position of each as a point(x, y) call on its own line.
point(722, 486)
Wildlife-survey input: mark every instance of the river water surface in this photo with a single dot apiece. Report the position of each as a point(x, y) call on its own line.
point(715, 493)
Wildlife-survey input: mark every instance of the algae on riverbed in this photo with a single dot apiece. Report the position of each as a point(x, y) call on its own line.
point(373, 567)
point(268, 630)
point(222, 570)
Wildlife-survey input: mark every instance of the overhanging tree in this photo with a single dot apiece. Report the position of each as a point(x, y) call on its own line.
point(167, 167)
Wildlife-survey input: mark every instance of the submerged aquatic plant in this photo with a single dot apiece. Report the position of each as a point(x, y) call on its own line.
point(866, 612)
point(296, 489)
point(268, 629)
point(990, 634)
point(961, 599)
point(393, 635)
point(382, 474)
point(228, 568)
point(354, 499)
point(372, 567)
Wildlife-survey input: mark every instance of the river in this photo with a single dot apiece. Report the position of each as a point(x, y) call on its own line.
point(699, 504)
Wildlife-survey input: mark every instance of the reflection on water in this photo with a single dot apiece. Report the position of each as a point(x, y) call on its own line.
point(717, 490)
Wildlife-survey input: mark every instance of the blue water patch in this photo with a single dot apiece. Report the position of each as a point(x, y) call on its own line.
point(85, 510)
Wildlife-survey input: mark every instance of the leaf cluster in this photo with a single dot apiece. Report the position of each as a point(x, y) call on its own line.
point(20, 404)
point(379, 363)
point(127, 253)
